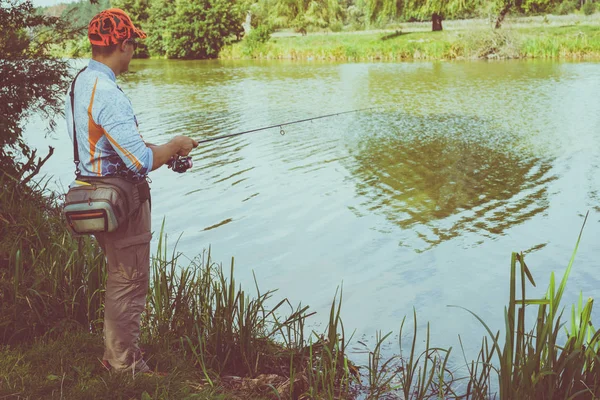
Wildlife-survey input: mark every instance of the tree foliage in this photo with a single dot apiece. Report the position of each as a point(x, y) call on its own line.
point(447, 8)
point(199, 28)
point(438, 9)
point(80, 14)
point(186, 28)
point(318, 14)
point(31, 81)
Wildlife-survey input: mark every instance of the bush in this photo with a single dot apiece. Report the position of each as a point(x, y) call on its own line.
point(589, 8)
point(565, 8)
point(257, 37)
point(336, 26)
point(260, 34)
point(195, 29)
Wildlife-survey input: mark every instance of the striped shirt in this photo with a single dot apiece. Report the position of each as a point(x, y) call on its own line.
point(108, 139)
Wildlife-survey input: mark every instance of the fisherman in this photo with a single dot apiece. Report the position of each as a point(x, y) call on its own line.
point(110, 145)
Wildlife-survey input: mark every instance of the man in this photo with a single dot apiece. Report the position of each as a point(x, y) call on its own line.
point(109, 144)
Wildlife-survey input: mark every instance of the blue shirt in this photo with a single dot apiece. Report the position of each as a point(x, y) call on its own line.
point(108, 139)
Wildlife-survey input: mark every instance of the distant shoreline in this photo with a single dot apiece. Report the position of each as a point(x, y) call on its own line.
point(570, 37)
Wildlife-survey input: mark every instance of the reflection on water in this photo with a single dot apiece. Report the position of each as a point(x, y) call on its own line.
point(443, 174)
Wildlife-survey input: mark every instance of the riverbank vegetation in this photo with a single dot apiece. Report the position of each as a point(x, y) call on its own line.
point(339, 30)
point(207, 337)
point(560, 42)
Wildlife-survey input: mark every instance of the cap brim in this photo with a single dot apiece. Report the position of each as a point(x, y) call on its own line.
point(138, 33)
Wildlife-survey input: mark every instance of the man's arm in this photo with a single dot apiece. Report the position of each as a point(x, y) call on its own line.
point(118, 120)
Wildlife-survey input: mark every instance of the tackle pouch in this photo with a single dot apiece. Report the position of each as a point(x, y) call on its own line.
point(94, 205)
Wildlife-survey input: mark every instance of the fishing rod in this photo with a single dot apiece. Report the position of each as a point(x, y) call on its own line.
point(282, 132)
point(182, 164)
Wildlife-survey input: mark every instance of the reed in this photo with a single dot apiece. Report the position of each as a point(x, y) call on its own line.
point(48, 281)
point(329, 373)
point(416, 375)
point(201, 310)
point(532, 363)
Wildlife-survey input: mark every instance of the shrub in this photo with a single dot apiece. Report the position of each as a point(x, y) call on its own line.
point(589, 8)
point(257, 37)
point(33, 82)
point(260, 34)
point(336, 26)
point(565, 8)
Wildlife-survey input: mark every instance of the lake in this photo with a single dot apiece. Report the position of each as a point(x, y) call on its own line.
point(418, 202)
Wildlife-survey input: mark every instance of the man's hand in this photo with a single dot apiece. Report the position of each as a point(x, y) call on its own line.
point(178, 146)
point(185, 144)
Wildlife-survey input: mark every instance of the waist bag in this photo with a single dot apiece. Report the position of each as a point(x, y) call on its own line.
point(100, 204)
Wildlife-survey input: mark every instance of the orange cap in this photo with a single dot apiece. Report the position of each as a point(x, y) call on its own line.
point(111, 27)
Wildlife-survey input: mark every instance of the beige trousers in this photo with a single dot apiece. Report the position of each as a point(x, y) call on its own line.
point(127, 251)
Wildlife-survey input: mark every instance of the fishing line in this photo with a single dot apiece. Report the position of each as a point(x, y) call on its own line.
point(280, 126)
point(182, 164)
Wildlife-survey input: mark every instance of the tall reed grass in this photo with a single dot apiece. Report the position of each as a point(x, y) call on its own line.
point(48, 281)
point(200, 310)
point(536, 363)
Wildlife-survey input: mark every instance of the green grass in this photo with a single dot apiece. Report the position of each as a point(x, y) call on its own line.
point(562, 42)
point(68, 367)
point(568, 42)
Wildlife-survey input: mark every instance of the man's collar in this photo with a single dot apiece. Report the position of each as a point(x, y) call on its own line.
point(98, 66)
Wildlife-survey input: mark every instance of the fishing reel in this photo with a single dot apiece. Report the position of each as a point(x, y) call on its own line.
point(180, 164)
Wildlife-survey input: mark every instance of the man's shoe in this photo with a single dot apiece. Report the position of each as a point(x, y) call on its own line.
point(145, 369)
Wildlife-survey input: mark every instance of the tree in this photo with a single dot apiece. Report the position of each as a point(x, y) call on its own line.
point(193, 29)
point(437, 9)
point(31, 81)
point(323, 13)
point(382, 11)
point(505, 6)
point(159, 29)
point(80, 13)
point(299, 14)
point(138, 10)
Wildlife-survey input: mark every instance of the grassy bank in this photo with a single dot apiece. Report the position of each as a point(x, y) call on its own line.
point(68, 367)
point(215, 341)
point(572, 41)
point(203, 330)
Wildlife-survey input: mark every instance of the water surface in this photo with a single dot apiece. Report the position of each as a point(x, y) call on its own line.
point(417, 203)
